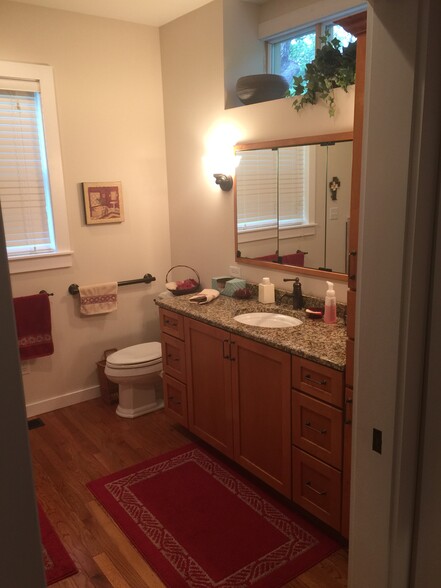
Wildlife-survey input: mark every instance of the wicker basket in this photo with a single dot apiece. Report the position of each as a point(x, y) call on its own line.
point(109, 390)
point(188, 286)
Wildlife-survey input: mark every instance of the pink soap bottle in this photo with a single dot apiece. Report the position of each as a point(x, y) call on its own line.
point(330, 305)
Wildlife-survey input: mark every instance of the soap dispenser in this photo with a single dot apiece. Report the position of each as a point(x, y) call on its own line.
point(330, 305)
point(266, 291)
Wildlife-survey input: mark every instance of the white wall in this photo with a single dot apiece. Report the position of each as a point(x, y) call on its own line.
point(109, 95)
point(201, 215)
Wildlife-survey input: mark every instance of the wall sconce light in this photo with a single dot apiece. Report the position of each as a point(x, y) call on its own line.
point(225, 182)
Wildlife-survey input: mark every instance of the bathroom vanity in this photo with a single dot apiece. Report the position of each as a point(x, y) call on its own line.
point(271, 399)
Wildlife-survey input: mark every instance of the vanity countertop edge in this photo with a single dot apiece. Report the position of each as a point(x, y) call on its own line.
point(313, 339)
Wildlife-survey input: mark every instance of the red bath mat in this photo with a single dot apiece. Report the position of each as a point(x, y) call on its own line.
point(57, 562)
point(198, 523)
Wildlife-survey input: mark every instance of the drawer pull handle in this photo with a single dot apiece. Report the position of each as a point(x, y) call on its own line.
point(173, 400)
point(319, 492)
point(321, 431)
point(169, 323)
point(319, 382)
point(170, 356)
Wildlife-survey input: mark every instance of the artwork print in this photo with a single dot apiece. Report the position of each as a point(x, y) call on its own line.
point(103, 202)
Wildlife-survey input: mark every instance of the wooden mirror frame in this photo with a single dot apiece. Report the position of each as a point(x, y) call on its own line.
point(311, 140)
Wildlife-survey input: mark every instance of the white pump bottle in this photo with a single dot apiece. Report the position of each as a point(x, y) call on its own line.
point(330, 305)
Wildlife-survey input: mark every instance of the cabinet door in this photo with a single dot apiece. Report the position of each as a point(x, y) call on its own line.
point(209, 385)
point(262, 411)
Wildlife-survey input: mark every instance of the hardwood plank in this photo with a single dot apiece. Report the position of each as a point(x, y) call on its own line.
point(88, 440)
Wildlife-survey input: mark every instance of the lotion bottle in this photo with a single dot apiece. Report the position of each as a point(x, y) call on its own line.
point(266, 291)
point(330, 305)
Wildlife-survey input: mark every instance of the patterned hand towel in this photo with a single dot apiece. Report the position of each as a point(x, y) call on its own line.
point(34, 327)
point(98, 298)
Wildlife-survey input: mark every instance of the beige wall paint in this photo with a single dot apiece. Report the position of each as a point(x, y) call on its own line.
point(109, 95)
point(201, 215)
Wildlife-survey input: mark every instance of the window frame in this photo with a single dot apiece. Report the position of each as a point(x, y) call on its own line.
point(62, 256)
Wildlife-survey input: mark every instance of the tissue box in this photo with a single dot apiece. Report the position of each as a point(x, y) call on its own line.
point(226, 285)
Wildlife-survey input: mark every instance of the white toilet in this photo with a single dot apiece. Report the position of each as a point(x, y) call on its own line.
point(136, 370)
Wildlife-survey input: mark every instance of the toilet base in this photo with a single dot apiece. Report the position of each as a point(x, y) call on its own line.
point(135, 401)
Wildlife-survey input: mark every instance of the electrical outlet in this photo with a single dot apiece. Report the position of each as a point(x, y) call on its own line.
point(235, 271)
point(377, 440)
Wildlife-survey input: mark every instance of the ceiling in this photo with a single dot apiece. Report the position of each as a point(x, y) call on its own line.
point(149, 12)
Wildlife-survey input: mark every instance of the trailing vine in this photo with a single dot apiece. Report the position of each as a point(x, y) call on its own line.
point(333, 67)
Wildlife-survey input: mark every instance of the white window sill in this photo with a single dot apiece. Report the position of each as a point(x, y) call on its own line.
point(301, 231)
point(36, 263)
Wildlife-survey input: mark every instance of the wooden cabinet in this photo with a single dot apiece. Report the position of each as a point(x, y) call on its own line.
point(261, 411)
point(239, 400)
point(174, 365)
point(279, 416)
point(317, 437)
point(210, 413)
point(356, 25)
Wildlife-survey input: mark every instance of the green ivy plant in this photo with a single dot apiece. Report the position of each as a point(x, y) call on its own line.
point(332, 67)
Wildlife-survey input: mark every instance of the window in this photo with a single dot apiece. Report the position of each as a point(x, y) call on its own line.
point(31, 180)
point(288, 54)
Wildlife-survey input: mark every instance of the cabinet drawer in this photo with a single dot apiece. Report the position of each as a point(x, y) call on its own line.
point(171, 323)
point(175, 399)
point(317, 428)
point(317, 488)
point(318, 380)
point(173, 357)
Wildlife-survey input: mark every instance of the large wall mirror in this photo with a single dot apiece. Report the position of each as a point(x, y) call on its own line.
point(293, 204)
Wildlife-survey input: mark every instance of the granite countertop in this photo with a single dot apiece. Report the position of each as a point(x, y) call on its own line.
point(313, 339)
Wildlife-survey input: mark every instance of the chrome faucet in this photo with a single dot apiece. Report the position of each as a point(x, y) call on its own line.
point(297, 296)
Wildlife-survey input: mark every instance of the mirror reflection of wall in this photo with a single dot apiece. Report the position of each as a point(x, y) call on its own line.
point(293, 204)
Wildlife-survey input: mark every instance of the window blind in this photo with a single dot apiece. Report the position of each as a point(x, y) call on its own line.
point(261, 176)
point(293, 185)
point(24, 186)
point(257, 190)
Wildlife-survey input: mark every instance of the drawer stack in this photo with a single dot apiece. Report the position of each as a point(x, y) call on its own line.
point(317, 438)
point(174, 366)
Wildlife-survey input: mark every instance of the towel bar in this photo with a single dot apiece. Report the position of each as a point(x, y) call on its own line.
point(74, 288)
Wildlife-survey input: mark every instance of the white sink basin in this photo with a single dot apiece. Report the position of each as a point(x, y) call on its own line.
point(268, 320)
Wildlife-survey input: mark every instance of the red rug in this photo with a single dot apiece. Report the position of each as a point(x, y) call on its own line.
point(199, 524)
point(57, 562)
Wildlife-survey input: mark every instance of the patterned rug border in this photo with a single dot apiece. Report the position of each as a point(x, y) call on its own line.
point(58, 564)
point(165, 555)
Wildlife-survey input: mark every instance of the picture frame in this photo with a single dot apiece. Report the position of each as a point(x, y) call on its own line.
point(103, 202)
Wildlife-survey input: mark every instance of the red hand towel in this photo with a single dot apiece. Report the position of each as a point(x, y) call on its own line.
point(33, 320)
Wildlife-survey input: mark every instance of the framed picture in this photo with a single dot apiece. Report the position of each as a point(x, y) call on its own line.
point(103, 202)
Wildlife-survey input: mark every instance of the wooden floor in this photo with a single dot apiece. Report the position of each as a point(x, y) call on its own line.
point(87, 441)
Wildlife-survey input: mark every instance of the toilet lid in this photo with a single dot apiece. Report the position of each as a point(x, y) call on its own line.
point(136, 354)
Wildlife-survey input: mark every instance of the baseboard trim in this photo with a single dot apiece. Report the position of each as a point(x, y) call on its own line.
point(49, 404)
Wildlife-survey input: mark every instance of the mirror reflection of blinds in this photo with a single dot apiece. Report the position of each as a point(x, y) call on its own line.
point(293, 179)
point(24, 187)
point(265, 174)
point(257, 190)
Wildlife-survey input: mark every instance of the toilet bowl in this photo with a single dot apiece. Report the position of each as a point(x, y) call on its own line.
point(136, 370)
